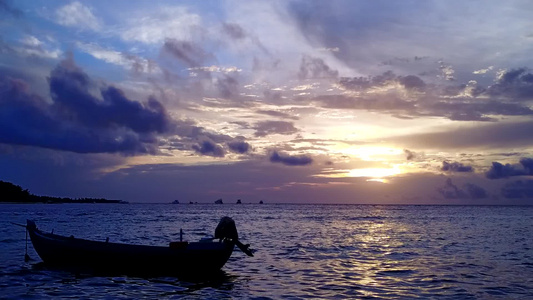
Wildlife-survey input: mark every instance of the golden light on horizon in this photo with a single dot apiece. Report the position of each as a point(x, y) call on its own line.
point(372, 153)
point(382, 180)
point(377, 173)
point(373, 174)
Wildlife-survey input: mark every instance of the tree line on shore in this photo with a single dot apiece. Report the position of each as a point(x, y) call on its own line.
point(10, 192)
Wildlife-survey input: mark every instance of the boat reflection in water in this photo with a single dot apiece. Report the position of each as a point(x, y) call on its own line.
point(181, 258)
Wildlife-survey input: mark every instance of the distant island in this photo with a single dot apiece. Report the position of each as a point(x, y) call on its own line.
point(15, 194)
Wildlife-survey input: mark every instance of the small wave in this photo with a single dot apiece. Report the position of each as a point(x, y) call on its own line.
point(7, 241)
point(396, 272)
point(365, 218)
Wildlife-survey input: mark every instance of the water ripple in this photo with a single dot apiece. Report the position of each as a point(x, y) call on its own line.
point(303, 251)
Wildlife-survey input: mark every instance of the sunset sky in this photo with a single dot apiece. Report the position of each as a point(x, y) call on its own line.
point(410, 102)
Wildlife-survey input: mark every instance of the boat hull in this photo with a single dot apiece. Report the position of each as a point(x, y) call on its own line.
point(200, 258)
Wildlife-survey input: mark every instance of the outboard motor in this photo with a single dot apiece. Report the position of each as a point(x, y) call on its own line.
point(226, 229)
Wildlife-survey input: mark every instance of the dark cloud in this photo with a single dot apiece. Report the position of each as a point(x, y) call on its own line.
point(476, 111)
point(499, 170)
point(492, 136)
point(76, 120)
point(239, 147)
point(228, 86)
point(364, 83)
point(70, 89)
point(409, 154)
point(316, 22)
point(516, 84)
point(187, 52)
point(8, 9)
point(234, 31)
point(265, 128)
point(470, 89)
point(140, 65)
point(315, 68)
point(412, 82)
point(455, 102)
point(451, 191)
point(278, 114)
point(300, 160)
point(455, 167)
point(518, 189)
point(384, 104)
point(272, 96)
point(475, 191)
point(209, 148)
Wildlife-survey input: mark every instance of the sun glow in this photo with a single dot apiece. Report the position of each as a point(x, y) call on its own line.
point(372, 153)
point(374, 172)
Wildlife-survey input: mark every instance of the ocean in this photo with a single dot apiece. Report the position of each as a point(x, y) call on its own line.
point(302, 251)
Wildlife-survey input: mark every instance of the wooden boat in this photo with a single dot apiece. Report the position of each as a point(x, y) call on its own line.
point(179, 258)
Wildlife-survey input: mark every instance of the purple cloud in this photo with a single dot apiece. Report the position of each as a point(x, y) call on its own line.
point(455, 167)
point(209, 148)
point(265, 128)
point(518, 189)
point(288, 160)
point(187, 52)
point(315, 68)
point(239, 147)
point(499, 170)
point(78, 121)
point(451, 191)
point(516, 84)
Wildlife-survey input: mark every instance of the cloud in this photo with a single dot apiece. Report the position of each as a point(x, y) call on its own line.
point(390, 93)
point(475, 191)
point(78, 15)
point(451, 191)
point(315, 68)
point(228, 86)
point(372, 103)
point(499, 170)
point(516, 84)
point(288, 160)
point(78, 121)
point(209, 148)
point(409, 154)
point(518, 189)
point(477, 111)
point(487, 136)
point(412, 82)
point(234, 31)
point(455, 167)
point(240, 147)
point(70, 90)
point(130, 61)
point(264, 128)
point(447, 71)
point(187, 52)
point(277, 114)
point(7, 8)
point(33, 47)
point(154, 27)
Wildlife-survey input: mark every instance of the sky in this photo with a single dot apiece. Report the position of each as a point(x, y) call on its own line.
point(371, 102)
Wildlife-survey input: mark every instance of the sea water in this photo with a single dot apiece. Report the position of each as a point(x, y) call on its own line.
point(302, 251)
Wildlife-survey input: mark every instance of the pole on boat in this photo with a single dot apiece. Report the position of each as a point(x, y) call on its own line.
point(26, 256)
